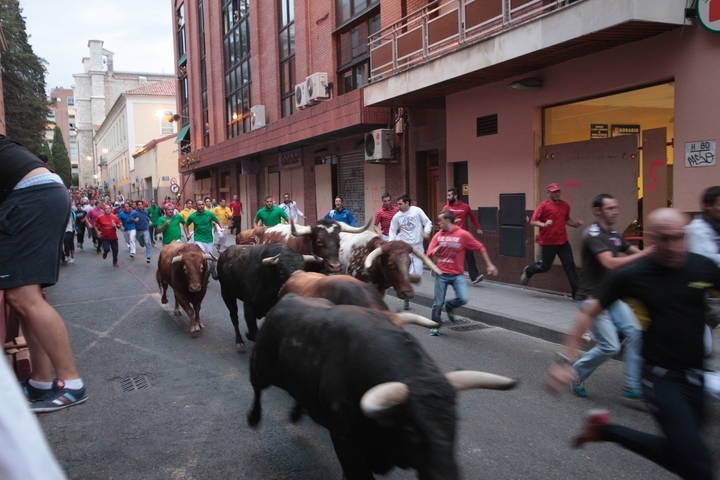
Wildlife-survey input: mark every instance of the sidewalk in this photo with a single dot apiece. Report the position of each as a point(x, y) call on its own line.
point(533, 312)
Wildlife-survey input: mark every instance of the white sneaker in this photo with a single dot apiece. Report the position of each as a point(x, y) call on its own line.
point(71, 260)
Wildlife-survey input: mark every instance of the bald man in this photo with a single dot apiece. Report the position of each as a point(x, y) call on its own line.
point(668, 290)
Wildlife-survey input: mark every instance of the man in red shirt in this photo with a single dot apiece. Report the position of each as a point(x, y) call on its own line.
point(106, 226)
point(90, 221)
point(551, 216)
point(384, 216)
point(237, 211)
point(447, 249)
point(462, 211)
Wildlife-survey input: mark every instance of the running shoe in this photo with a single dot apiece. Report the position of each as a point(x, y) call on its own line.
point(105, 253)
point(71, 260)
point(592, 428)
point(632, 393)
point(524, 279)
point(147, 260)
point(478, 279)
point(578, 390)
point(434, 332)
point(34, 394)
point(59, 398)
point(132, 255)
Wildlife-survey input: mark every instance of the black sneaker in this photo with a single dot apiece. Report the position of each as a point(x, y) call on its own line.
point(478, 279)
point(104, 254)
point(59, 398)
point(34, 394)
point(524, 279)
point(451, 316)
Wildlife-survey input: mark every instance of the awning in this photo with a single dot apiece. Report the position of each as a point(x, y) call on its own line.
point(182, 59)
point(182, 133)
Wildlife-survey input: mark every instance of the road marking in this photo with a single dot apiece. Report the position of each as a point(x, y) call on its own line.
point(99, 300)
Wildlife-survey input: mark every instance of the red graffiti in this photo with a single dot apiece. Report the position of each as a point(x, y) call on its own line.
point(567, 186)
point(651, 175)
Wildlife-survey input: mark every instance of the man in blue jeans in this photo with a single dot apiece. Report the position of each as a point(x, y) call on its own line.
point(600, 248)
point(142, 227)
point(447, 249)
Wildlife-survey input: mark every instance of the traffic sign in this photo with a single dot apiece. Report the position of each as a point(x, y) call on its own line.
point(174, 188)
point(708, 12)
point(173, 181)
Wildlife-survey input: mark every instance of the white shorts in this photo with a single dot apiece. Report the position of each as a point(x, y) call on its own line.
point(206, 247)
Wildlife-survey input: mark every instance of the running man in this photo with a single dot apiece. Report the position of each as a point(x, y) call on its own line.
point(68, 246)
point(340, 213)
point(670, 284)
point(237, 209)
point(80, 216)
point(600, 248)
point(203, 221)
point(171, 226)
point(447, 249)
point(384, 216)
point(90, 220)
point(154, 212)
point(129, 232)
point(106, 226)
point(142, 227)
point(462, 211)
point(551, 216)
point(269, 215)
point(290, 208)
point(186, 212)
point(223, 213)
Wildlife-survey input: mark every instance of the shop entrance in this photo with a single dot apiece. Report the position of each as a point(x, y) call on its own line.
point(428, 184)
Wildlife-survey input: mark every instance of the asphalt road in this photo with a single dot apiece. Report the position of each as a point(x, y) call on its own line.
point(166, 406)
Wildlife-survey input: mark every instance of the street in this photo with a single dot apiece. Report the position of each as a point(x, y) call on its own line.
point(166, 406)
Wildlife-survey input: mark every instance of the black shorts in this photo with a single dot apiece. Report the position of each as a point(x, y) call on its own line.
point(32, 224)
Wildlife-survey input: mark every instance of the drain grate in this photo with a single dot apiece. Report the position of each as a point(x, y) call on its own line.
point(130, 384)
point(467, 328)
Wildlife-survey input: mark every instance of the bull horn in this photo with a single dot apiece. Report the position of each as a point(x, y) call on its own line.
point(176, 259)
point(371, 257)
point(271, 260)
point(467, 379)
point(344, 227)
point(299, 230)
point(311, 259)
point(407, 318)
point(382, 397)
point(426, 260)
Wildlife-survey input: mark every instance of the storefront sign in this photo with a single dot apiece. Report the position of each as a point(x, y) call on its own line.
point(465, 189)
point(619, 130)
point(708, 12)
point(700, 154)
point(290, 159)
point(599, 130)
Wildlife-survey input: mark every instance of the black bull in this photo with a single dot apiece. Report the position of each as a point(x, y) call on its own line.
point(370, 383)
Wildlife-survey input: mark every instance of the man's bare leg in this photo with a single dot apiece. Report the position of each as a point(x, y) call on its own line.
point(42, 370)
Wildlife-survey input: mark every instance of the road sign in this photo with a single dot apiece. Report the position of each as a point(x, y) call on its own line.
point(173, 181)
point(174, 188)
point(708, 12)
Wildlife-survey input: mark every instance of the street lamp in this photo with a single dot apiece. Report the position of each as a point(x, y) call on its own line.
point(169, 116)
point(88, 158)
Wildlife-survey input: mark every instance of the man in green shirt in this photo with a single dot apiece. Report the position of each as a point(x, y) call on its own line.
point(203, 221)
point(170, 225)
point(154, 212)
point(269, 215)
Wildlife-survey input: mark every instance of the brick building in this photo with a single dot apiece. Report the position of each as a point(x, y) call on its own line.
point(63, 114)
point(243, 128)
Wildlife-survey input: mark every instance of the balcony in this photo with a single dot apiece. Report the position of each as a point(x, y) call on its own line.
point(447, 41)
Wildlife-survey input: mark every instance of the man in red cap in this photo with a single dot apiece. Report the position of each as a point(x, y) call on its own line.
point(551, 216)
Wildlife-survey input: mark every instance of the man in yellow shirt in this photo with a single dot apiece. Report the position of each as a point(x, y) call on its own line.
point(186, 212)
point(223, 214)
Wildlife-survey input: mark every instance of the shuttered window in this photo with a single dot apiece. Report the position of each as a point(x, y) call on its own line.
point(487, 125)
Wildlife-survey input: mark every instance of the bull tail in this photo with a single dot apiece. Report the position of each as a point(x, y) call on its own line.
point(255, 414)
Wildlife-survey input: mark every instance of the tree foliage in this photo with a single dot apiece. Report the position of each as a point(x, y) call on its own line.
point(23, 75)
point(60, 157)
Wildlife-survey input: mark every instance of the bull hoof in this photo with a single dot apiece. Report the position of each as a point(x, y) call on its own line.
point(253, 417)
point(163, 300)
point(194, 333)
point(241, 348)
point(250, 337)
point(177, 312)
point(202, 325)
point(296, 414)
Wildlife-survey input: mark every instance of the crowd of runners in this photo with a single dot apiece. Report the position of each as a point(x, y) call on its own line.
point(655, 304)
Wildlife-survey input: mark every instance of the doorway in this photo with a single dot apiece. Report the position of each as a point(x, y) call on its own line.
point(460, 181)
point(428, 183)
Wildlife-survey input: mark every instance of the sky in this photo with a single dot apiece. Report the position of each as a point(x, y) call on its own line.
point(138, 32)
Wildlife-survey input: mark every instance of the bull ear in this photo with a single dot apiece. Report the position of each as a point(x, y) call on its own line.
point(467, 379)
point(176, 259)
point(299, 230)
point(381, 398)
point(344, 227)
point(271, 260)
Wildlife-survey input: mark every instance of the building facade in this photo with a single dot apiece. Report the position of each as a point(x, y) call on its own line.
point(62, 113)
point(137, 118)
point(156, 168)
point(96, 90)
point(248, 124)
point(600, 96)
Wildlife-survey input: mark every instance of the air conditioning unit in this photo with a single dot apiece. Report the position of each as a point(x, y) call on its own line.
point(301, 100)
point(380, 145)
point(317, 87)
point(257, 117)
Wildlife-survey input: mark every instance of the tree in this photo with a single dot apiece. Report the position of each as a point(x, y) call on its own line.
point(23, 72)
point(60, 157)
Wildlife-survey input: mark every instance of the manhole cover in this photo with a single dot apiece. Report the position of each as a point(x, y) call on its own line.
point(467, 328)
point(139, 382)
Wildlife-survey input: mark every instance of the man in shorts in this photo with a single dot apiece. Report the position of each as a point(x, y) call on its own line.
point(34, 210)
point(171, 226)
point(129, 229)
point(203, 221)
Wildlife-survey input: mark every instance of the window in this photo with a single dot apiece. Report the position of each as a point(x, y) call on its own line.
point(203, 73)
point(71, 122)
point(182, 46)
point(287, 56)
point(354, 54)
point(349, 9)
point(71, 102)
point(236, 50)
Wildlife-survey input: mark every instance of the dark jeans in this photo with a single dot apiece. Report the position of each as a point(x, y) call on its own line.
point(107, 245)
point(470, 265)
point(68, 244)
point(95, 239)
point(236, 228)
point(547, 257)
point(677, 401)
point(151, 229)
point(80, 234)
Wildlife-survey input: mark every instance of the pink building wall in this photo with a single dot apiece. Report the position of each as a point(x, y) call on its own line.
point(505, 162)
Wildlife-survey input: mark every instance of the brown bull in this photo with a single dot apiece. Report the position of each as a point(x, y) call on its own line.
point(250, 237)
point(347, 290)
point(183, 267)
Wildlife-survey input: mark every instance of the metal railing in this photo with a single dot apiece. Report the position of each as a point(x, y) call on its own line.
point(446, 25)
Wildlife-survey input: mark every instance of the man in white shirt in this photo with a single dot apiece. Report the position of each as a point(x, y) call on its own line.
point(410, 225)
point(290, 208)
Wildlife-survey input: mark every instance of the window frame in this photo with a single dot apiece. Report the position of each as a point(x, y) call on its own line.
point(353, 65)
point(285, 26)
point(236, 66)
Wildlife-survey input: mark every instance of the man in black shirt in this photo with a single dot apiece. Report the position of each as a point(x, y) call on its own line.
point(600, 248)
point(670, 284)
